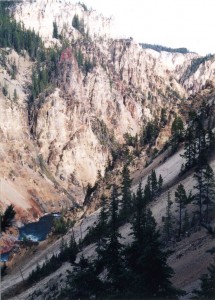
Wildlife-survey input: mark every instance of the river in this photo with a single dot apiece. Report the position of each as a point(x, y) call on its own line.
point(36, 231)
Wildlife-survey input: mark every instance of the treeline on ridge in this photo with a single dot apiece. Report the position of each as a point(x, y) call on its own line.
point(160, 48)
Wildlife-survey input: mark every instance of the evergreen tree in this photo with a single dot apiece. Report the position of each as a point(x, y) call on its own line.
point(199, 141)
point(210, 139)
point(55, 31)
point(63, 246)
point(83, 282)
point(110, 251)
point(189, 148)
point(147, 262)
point(80, 58)
point(181, 200)
point(114, 263)
point(60, 226)
point(7, 217)
point(14, 35)
point(140, 202)
point(72, 250)
point(76, 22)
point(177, 133)
point(177, 128)
point(15, 96)
point(13, 71)
point(87, 66)
point(209, 189)
point(150, 133)
point(168, 222)
point(163, 117)
point(147, 192)
point(102, 227)
point(126, 193)
point(200, 135)
point(160, 184)
point(199, 196)
point(5, 90)
point(154, 184)
point(133, 251)
point(185, 222)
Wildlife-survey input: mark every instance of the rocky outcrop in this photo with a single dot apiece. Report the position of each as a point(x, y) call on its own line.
point(80, 121)
point(41, 14)
point(60, 143)
point(201, 71)
point(23, 181)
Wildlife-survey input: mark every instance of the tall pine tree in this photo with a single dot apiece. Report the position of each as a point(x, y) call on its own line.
point(209, 189)
point(154, 184)
point(102, 226)
point(149, 272)
point(199, 196)
point(111, 253)
point(181, 200)
point(189, 148)
point(126, 193)
point(7, 217)
point(55, 31)
point(168, 221)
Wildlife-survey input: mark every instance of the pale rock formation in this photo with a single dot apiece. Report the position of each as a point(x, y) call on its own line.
point(40, 15)
point(68, 138)
point(205, 72)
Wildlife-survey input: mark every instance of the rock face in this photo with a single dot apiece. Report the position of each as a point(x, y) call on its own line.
point(40, 15)
point(204, 72)
point(79, 122)
point(61, 144)
point(23, 183)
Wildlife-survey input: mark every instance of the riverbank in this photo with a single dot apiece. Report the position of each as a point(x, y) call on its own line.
point(26, 236)
point(8, 242)
point(26, 251)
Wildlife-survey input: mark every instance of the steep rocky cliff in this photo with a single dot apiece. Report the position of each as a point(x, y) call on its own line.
point(52, 149)
point(40, 15)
